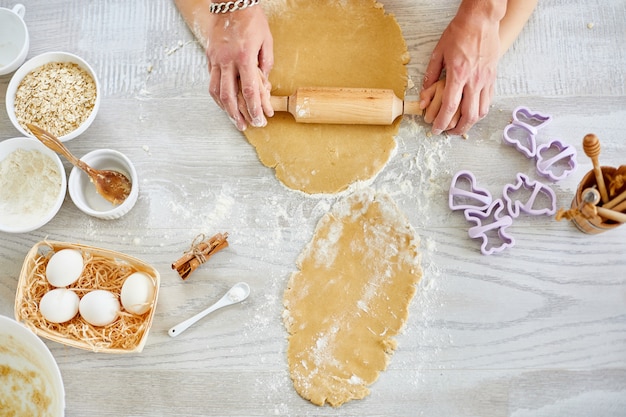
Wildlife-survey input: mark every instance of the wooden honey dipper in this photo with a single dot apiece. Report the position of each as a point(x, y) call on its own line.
point(591, 146)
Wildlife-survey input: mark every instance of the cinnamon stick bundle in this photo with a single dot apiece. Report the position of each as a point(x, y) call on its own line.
point(199, 253)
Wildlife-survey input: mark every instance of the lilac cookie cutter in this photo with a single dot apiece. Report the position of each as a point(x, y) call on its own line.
point(491, 225)
point(522, 131)
point(552, 166)
point(515, 206)
point(469, 197)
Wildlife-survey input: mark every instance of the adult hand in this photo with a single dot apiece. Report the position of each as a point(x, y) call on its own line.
point(468, 51)
point(240, 56)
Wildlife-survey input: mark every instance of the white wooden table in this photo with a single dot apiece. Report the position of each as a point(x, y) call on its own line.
point(538, 330)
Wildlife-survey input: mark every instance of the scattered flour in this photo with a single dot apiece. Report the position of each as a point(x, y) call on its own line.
point(413, 177)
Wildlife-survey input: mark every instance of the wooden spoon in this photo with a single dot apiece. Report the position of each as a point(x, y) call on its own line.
point(112, 185)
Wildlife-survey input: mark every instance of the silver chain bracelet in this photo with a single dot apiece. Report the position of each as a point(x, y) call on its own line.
point(231, 6)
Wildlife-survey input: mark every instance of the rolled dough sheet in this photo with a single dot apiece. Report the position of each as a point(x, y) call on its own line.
point(330, 43)
point(350, 297)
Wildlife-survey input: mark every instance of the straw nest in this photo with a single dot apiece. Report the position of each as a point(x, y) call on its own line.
point(103, 270)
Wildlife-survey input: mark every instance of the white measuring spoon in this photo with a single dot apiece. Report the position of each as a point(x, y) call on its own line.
point(236, 294)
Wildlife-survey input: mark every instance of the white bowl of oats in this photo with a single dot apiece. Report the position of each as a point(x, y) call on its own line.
point(33, 184)
point(56, 91)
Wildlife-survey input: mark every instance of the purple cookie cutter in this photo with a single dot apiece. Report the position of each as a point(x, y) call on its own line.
point(513, 194)
point(556, 160)
point(522, 131)
point(465, 194)
point(491, 227)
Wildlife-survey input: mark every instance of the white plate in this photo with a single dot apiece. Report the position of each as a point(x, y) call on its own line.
point(28, 369)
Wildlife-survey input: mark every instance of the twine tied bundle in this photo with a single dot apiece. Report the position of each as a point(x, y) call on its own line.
point(200, 251)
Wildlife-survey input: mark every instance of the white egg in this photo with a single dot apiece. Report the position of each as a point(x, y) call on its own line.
point(59, 305)
point(99, 307)
point(137, 293)
point(64, 267)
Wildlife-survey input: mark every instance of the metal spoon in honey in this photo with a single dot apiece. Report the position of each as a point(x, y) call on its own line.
point(112, 185)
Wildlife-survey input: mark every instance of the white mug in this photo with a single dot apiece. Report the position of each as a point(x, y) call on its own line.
point(14, 41)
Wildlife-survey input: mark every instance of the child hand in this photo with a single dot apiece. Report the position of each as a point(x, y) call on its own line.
point(430, 101)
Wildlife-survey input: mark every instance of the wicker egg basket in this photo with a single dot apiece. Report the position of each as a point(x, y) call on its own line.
point(105, 270)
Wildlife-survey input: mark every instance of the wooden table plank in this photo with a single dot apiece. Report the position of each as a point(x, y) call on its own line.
point(537, 330)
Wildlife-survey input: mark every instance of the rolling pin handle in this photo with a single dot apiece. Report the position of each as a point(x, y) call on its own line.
point(280, 103)
point(413, 107)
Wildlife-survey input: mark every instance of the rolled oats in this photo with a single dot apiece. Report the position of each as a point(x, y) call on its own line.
point(58, 97)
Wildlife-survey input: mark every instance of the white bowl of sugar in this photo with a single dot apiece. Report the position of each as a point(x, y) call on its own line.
point(32, 185)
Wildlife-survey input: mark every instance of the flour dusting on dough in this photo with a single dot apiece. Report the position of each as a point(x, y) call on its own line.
point(350, 297)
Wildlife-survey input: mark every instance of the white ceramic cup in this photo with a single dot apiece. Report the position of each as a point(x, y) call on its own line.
point(83, 193)
point(14, 40)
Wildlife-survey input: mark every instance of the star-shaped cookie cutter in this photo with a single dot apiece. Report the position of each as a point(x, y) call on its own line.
point(512, 194)
point(491, 227)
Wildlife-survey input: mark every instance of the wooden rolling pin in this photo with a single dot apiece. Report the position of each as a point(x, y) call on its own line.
point(354, 106)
